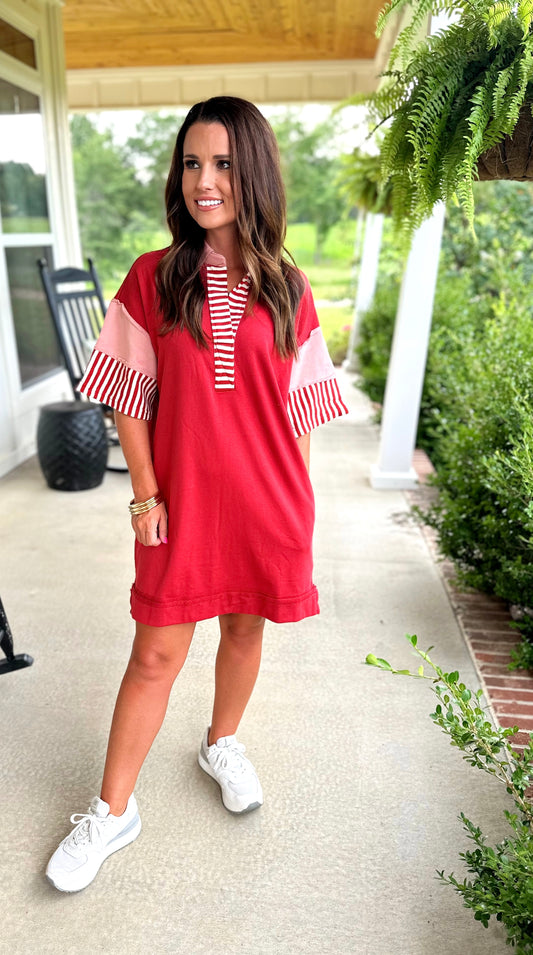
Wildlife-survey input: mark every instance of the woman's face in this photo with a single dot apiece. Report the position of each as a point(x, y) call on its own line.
point(206, 181)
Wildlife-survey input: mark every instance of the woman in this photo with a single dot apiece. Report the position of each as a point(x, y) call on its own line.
point(213, 358)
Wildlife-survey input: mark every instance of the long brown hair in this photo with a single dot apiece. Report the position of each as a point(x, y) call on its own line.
point(260, 204)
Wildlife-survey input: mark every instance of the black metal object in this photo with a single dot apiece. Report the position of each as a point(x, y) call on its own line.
point(77, 307)
point(76, 302)
point(72, 445)
point(12, 661)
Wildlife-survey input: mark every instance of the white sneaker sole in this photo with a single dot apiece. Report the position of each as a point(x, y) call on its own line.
point(120, 842)
point(236, 812)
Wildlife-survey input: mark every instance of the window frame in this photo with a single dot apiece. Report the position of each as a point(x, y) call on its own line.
point(28, 78)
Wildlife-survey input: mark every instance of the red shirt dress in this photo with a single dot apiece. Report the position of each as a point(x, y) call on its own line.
point(224, 421)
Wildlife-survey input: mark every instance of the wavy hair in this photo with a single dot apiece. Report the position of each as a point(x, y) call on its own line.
point(260, 205)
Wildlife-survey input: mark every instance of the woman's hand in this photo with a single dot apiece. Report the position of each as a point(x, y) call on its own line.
point(151, 528)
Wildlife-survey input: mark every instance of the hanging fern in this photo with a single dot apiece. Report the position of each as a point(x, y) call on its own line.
point(363, 184)
point(449, 98)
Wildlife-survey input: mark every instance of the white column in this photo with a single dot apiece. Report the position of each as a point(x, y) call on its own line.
point(366, 286)
point(405, 378)
point(60, 164)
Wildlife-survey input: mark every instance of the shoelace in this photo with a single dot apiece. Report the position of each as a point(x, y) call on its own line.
point(229, 759)
point(87, 829)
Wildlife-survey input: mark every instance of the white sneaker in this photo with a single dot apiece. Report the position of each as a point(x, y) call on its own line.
point(234, 773)
point(95, 836)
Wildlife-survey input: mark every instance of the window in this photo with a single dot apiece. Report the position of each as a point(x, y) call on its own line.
point(25, 228)
point(17, 44)
point(23, 204)
point(37, 347)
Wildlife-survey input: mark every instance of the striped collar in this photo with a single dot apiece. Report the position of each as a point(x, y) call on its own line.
point(225, 310)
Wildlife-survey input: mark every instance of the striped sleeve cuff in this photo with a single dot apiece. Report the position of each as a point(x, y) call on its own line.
point(115, 384)
point(315, 404)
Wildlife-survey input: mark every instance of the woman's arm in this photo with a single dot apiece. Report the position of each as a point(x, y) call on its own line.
point(134, 433)
point(304, 443)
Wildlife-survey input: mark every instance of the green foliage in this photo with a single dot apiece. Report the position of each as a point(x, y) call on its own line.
point(337, 344)
point(500, 885)
point(334, 319)
point(375, 339)
point(111, 199)
point(377, 324)
point(449, 98)
point(477, 403)
point(478, 414)
point(311, 168)
point(149, 150)
point(331, 279)
point(22, 193)
point(120, 194)
point(522, 654)
point(363, 183)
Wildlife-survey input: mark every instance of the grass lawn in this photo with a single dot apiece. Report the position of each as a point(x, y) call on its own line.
point(334, 319)
point(332, 278)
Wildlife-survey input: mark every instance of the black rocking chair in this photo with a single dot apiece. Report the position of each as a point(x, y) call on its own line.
point(12, 660)
point(77, 307)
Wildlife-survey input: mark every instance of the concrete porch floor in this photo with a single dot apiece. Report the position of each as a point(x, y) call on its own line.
point(362, 792)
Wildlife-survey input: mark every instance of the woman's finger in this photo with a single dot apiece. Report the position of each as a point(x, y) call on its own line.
point(163, 526)
point(146, 526)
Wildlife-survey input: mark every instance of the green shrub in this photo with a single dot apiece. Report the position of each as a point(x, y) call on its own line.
point(477, 404)
point(375, 339)
point(459, 319)
point(483, 516)
point(338, 344)
point(501, 886)
point(453, 312)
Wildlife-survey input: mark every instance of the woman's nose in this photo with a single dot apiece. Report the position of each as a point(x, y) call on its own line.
point(205, 178)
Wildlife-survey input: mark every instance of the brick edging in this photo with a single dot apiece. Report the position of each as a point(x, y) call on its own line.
point(485, 623)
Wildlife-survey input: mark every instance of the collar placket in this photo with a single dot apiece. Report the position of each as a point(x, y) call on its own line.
point(226, 310)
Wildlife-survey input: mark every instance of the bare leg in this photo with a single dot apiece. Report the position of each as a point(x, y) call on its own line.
point(157, 657)
point(237, 666)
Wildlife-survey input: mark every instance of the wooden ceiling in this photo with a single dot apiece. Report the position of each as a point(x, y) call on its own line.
point(148, 33)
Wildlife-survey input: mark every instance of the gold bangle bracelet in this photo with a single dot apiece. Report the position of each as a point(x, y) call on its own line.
point(141, 507)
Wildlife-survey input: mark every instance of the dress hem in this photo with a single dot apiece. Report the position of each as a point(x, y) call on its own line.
point(279, 610)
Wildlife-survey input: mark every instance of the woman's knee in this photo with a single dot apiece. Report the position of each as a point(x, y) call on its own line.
point(155, 657)
point(151, 666)
point(242, 627)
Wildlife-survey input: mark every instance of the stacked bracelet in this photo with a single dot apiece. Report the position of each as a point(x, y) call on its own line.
point(141, 507)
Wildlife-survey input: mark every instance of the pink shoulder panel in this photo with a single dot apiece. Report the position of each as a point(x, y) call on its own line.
point(122, 338)
point(313, 363)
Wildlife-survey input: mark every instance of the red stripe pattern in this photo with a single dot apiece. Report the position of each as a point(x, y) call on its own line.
point(114, 383)
point(315, 404)
point(226, 311)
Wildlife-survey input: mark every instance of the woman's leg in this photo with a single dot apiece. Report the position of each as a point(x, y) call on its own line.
point(157, 657)
point(237, 666)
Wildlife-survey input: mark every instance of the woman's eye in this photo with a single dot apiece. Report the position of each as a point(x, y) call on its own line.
point(224, 164)
point(190, 164)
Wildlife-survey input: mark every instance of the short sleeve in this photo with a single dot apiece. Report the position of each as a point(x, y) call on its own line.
point(314, 394)
point(122, 370)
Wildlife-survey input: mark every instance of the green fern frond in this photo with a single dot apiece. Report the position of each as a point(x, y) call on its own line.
point(394, 6)
point(363, 183)
point(507, 104)
point(524, 15)
point(449, 98)
point(495, 15)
